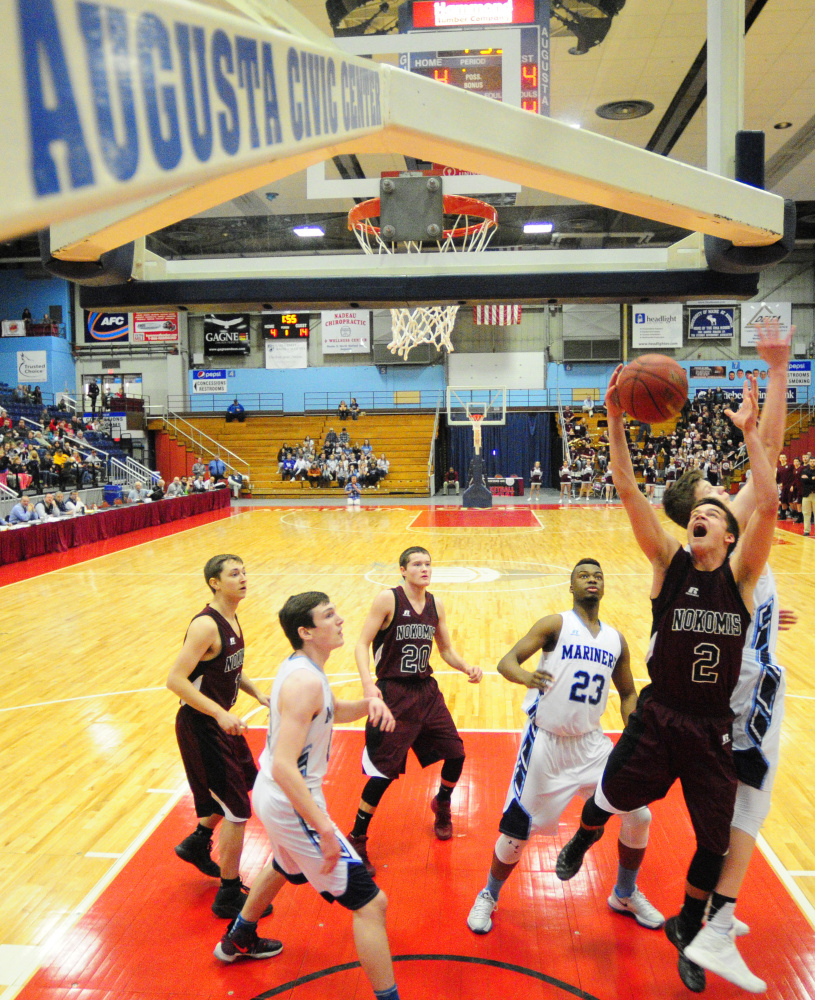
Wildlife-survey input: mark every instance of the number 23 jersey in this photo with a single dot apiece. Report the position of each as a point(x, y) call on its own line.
point(582, 665)
point(402, 650)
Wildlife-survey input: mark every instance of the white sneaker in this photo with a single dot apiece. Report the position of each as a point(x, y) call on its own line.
point(740, 928)
point(718, 953)
point(480, 918)
point(637, 906)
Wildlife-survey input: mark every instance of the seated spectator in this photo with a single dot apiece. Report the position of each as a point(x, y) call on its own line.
point(185, 486)
point(198, 485)
point(331, 438)
point(383, 466)
point(354, 410)
point(342, 410)
point(138, 494)
point(217, 469)
point(61, 503)
point(450, 480)
point(301, 467)
point(32, 467)
point(36, 396)
point(23, 512)
point(588, 406)
point(343, 472)
point(47, 508)
point(366, 447)
point(157, 492)
point(175, 489)
point(235, 412)
point(331, 467)
point(281, 455)
point(344, 439)
point(93, 463)
point(236, 483)
point(314, 474)
point(352, 491)
point(75, 503)
point(287, 467)
point(198, 467)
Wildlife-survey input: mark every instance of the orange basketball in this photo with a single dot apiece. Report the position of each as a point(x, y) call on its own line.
point(652, 388)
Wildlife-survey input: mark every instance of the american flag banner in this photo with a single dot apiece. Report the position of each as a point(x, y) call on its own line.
point(496, 315)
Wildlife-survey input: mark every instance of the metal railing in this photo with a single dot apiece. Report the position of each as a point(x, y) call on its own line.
point(196, 437)
point(394, 399)
point(217, 402)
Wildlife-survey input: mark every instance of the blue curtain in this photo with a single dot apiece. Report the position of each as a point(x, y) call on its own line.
point(510, 449)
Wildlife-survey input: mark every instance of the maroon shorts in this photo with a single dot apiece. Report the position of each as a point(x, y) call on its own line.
point(423, 724)
point(220, 768)
point(659, 746)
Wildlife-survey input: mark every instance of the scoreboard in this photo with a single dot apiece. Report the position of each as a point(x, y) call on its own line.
point(480, 72)
point(286, 325)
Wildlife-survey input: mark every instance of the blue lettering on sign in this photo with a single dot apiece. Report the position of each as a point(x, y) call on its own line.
point(121, 159)
point(185, 82)
point(52, 118)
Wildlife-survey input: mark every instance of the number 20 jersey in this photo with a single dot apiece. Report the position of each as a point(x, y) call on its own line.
point(402, 650)
point(582, 665)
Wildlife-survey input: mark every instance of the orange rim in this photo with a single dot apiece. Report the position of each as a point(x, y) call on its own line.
point(454, 204)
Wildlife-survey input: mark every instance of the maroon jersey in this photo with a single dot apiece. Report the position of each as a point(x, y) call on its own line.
point(697, 637)
point(403, 648)
point(784, 476)
point(220, 677)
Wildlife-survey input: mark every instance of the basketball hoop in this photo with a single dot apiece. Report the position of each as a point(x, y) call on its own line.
point(469, 226)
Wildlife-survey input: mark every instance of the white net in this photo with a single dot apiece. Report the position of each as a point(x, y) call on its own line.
point(422, 325)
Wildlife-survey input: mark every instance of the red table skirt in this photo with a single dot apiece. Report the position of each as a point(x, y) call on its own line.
point(59, 536)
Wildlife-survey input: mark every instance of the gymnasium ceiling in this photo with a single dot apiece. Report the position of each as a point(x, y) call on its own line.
point(654, 52)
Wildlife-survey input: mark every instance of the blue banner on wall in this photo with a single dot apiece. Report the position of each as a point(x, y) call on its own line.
point(711, 324)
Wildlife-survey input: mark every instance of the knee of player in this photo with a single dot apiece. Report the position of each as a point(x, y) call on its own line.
point(376, 908)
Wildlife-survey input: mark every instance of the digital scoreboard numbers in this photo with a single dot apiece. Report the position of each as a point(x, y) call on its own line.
point(286, 325)
point(481, 73)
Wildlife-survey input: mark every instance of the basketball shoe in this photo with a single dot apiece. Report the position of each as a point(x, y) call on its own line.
point(480, 918)
point(570, 859)
point(443, 824)
point(718, 952)
point(230, 898)
point(360, 845)
point(243, 942)
point(196, 850)
point(691, 974)
point(637, 906)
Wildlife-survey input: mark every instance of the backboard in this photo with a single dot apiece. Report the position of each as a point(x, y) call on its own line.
point(487, 403)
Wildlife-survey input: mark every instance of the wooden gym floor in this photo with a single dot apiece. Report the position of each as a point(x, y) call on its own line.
point(95, 794)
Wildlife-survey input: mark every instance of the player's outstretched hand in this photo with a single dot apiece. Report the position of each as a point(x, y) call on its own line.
point(474, 674)
point(613, 408)
point(330, 850)
point(380, 715)
point(264, 700)
point(230, 723)
point(746, 417)
point(772, 346)
point(786, 619)
point(541, 680)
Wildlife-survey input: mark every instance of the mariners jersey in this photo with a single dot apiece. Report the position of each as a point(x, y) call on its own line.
point(697, 638)
point(582, 665)
point(402, 650)
point(313, 759)
point(220, 678)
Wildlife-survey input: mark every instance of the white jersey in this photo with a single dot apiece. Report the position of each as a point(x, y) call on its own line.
point(313, 760)
point(582, 665)
point(758, 698)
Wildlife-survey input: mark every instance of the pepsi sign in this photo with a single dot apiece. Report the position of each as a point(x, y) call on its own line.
point(106, 328)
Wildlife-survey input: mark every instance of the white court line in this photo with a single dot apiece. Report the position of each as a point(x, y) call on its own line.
point(785, 876)
point(802, 874)
point(83, 697)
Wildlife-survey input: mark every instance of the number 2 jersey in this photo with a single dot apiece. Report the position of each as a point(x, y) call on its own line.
point(582, 665)
point(219, 678)
point(402, 650)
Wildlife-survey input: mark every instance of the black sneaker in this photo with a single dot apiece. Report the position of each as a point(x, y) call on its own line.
point(360, 845)
point(692, 975)
point(245, 943)
point(196, 849)
point(570, 859)
point(229, 901)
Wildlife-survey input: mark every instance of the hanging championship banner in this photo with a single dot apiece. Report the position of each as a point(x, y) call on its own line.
point(346, 331)
point(711, 324)
point(287, 354)
point(657, 325)
point(754, 313)
point(226, 333)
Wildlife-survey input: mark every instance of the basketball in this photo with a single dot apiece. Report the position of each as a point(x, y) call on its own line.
point(652, 388)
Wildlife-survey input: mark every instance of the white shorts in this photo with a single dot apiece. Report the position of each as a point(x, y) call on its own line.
point(758, 704)
point(549, 771)
point(297, 851)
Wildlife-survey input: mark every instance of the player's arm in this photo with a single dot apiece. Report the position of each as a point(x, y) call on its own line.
point(624, 682)
point(249, 686)
point(375, 709)
point(381, 609)
point(750, 557)
point(299, 700)
point(543, 635)
point(657, 545)
point(202, 638)
point(446, 651)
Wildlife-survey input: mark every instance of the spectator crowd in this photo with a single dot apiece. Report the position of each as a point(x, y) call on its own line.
point(334, 462)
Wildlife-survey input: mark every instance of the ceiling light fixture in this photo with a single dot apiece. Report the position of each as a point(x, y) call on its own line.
point(538, 227)
point(782, 125)
point(622, 111)
point(308, 231)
